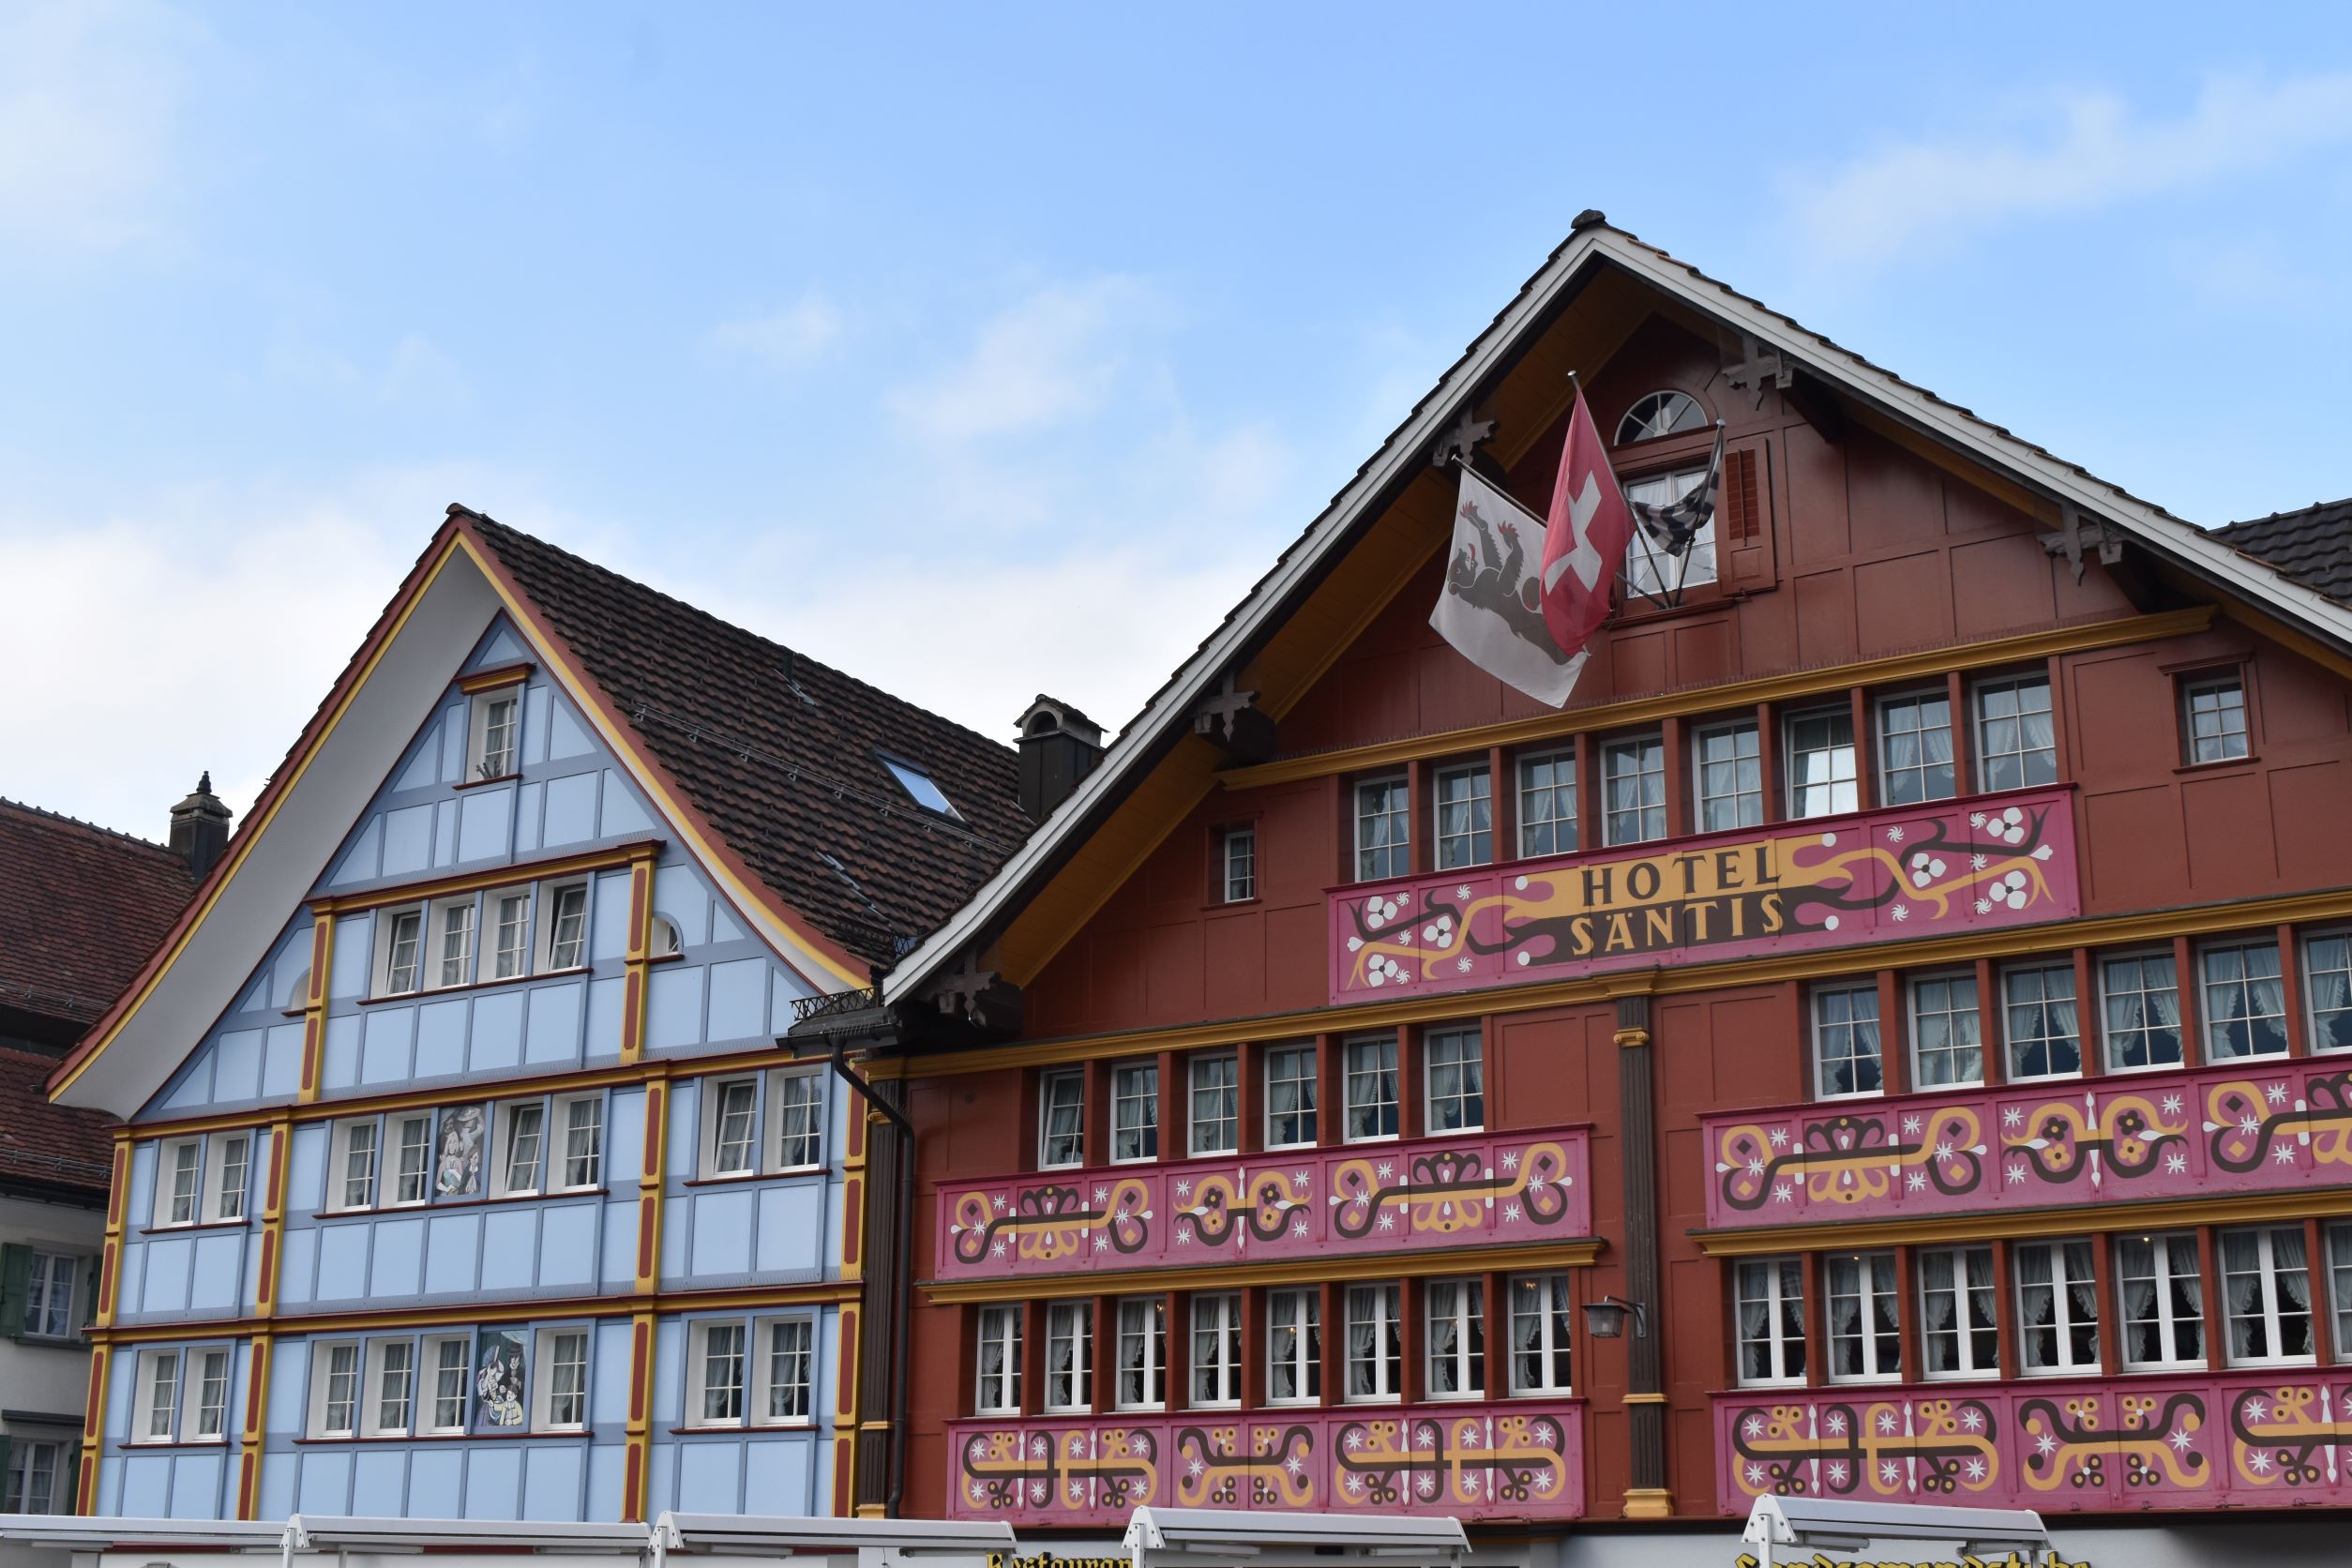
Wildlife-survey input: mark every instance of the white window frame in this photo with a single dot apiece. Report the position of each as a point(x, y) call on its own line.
point(1380, 1305)
point(507, 1117)
point(2107, 993)
point(1875, 1057)
point(460, 918)
point(1072, 1323)
point(552, 943)
point(159, 1372)
point(174, 1159)
point(1142, 1332)
point(1461, 1051)
point(717, 1091)
point(2312, 1014)
point(2165, 1250)
point(481, 708)
point(1460, 851)
point(1564, 781)
point(395, 1142)
point(1966, 1292)
point(2066, 1254)
point(2270, 1301)
point(1216, 1376)
point(1542, 1299)
point(204, 1400)
point(1887, 770)
point(1649, 569)
point(1745, 797)
point(2015, 1045)
point(1223, 1096)
point(765, 1383)
point(1768, 1280)
point(1875, 1287)
point(1297, 1314)
point(372, 1388)
point(1237, 856)
point(28, 1458)
point(53, 1273)
point(1051, 1087)
point(1460, 1306)
point(1134, 1112)
point(997, 1393)
point(339, 1167)
point(1395, 813)
point(1981, 755)
point(1637, 747)
point(2212, 1025)
point(431, 1360)
point(2337, 1239)
point(1840, 792)
point(1956, 1019)
point(389, 975)
point(2193, 743)
point(546, 1351)
point(561, 1121)
point(508, 953)
point(1366, 1062)
point(788, 1143)
point(225, 1181)
point(1306, 1111)
point(323, 1376)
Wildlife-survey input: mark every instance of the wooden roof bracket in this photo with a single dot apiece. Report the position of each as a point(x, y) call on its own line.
point(2078, 533)
point(1230, 719)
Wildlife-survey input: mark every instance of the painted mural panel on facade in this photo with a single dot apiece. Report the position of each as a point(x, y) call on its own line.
point(1880, 876)
point(1453, 1191)
point(1481, 1463)
point(2272, 1439)
point(2255, 1125)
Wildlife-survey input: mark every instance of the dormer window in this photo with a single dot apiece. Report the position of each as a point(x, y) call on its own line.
point(493, 730)
point(1660, 414)
point(919, 787)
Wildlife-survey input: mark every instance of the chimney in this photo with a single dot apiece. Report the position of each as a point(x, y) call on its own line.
point(200, 827)
point(1060, 746)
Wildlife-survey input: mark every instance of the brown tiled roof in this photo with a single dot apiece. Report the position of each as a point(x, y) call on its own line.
point(41, 1142)
point(2313, 546)
point(80, 908)
point(783, 756)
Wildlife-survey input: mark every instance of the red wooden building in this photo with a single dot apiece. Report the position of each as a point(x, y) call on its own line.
point(1906, 976)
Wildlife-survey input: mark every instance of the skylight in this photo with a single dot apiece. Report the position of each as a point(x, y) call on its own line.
point(920, 789)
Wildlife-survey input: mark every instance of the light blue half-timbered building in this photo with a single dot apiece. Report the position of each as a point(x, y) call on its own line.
point(463, 1175)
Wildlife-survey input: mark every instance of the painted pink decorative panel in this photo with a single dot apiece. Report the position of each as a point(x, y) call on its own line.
point(1510, 1460)
point(2249, 1440)
point(1830, 882)
point(2259, 1125)
point(1464, 1190)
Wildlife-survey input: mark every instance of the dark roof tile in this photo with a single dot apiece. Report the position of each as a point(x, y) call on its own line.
point(2313, 546)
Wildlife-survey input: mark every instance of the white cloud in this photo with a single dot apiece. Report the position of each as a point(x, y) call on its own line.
point(416, 372)
point(89, 106)
point(1041, 362)
point(789, 338)
point(2076, 151)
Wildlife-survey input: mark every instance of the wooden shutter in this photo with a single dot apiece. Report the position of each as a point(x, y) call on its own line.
point(1743, 511)
point(16, 1284)
point(89, 1295)
point(66, 1491)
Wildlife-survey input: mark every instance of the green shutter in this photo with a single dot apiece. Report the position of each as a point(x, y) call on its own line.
point(16, 1284)
point(89, 1296)
point(69, 1496)
point(9, 1500)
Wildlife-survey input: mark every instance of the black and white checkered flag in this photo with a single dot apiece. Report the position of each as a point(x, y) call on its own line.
point(1672, 526)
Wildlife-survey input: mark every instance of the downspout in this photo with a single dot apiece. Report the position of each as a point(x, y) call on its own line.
point(902, 1284)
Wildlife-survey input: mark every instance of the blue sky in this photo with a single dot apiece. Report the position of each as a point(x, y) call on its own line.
point(982, 350)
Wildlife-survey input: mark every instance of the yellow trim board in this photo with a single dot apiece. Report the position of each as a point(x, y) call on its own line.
point(1576, 1253)
point(1681, 978)
point(2171, 1213)
point(1893, 670)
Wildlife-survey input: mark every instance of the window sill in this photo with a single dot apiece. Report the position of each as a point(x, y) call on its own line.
point(737, 1178)
point(512, 777)
point(491, 1432)
point(2251, 761)
point(742, 1428)
point(149, 1445)
point(195, 1225)
point(444, 1205)
point(1216, 904)
point(433, 993)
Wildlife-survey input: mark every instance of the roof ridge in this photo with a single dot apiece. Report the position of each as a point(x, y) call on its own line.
point(130, 839)
point(799, 659)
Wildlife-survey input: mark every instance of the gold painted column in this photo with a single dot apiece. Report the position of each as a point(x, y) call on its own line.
point(314, 1005)
point(637, 959)
point(638, 1454)
point(263, 1343)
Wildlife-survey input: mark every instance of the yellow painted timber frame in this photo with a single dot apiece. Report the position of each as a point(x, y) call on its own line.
point(1893, 670)
point(1679, 979)
point(1569, 1253)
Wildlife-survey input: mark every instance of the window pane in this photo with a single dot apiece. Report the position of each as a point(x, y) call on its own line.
point(1548, 804)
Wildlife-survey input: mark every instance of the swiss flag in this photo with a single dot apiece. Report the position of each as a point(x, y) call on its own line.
point(1585, 537)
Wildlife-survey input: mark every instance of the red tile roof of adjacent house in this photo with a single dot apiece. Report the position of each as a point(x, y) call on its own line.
point(81, 909)
point(783, 756)
point(53, 1145)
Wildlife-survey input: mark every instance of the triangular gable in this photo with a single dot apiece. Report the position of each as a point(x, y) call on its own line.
point(359, 736)
point(1111, 822)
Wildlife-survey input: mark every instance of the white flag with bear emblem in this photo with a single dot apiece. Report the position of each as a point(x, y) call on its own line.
point(1491, 609)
